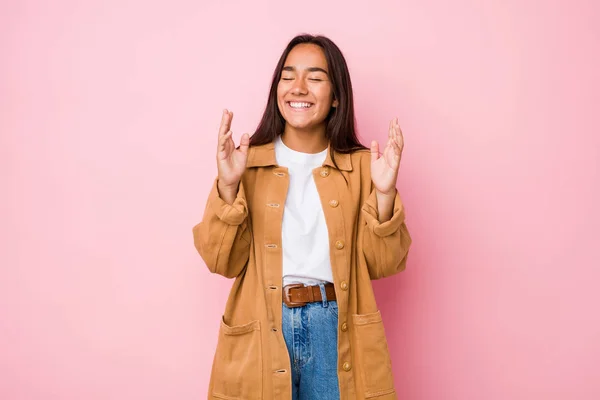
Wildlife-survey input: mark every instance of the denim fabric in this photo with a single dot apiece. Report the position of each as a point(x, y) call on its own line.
point(310, 334)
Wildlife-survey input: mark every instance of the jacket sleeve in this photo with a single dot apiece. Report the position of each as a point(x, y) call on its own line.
point(223, 237)
point(385, 245)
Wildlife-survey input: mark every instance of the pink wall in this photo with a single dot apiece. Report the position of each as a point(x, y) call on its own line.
point(108, 118)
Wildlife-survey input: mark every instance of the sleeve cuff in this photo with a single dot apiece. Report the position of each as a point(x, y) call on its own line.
point(231, 214)
point(371, 215)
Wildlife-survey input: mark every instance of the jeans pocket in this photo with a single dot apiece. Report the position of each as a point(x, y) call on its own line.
point(333, 308)
point(373, 356)
point(237, 372)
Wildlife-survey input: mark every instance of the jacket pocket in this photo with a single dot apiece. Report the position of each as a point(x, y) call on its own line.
point(373, 356)
point(238, 362)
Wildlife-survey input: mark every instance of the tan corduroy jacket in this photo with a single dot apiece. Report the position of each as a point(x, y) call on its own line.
point(243, 241)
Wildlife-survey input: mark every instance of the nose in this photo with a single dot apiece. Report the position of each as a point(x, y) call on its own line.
point(299, 87)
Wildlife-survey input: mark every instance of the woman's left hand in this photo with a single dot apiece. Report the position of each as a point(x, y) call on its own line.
point(384, 168)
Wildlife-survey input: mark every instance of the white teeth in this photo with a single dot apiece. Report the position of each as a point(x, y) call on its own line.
point(296, 104)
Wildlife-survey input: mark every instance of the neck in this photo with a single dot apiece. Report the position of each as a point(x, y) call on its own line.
point(305, 141)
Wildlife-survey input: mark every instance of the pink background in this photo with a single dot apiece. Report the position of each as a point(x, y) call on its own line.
point(108, 117)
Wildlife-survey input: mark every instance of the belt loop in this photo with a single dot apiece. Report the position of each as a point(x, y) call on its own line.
point(323, 294)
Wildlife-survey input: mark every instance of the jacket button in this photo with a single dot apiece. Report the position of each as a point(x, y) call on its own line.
point(344, 285)
point(339, 244)
point(334, 203)
point(324, 173)
point(346, 366)
point(344, 327)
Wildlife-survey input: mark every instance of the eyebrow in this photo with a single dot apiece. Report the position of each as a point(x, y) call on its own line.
point(309, 69)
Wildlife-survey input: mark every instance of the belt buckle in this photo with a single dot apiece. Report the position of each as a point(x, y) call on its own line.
point(286, 296)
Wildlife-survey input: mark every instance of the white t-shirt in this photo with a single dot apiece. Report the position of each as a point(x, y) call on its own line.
point(304, 235)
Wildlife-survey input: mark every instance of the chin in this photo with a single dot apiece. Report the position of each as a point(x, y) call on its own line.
point(298, 123)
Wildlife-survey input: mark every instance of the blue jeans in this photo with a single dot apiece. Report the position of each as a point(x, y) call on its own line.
point(310, 334)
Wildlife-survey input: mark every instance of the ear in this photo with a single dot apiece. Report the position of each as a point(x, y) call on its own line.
point(335, 103)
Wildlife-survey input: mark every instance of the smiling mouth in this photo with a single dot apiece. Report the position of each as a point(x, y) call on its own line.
point(299, 105)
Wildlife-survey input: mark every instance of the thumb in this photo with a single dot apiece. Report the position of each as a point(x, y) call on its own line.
point(374, 151)
point(245, 143)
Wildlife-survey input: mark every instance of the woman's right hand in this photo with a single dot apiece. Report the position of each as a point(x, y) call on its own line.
point(231, 162)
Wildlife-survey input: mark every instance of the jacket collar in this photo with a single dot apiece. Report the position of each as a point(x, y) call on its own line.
point(264, 156)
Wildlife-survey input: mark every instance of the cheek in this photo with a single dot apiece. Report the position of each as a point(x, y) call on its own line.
point(325, 96)
point(280, 92)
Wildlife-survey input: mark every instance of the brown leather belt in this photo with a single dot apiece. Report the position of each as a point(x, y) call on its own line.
point(298, 295)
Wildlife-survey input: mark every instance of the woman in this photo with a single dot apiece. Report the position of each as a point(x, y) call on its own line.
point(304, 217)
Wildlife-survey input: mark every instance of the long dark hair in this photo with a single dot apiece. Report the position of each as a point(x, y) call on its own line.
point(340, 130)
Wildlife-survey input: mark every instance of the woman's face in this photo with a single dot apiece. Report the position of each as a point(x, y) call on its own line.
point(304, 92)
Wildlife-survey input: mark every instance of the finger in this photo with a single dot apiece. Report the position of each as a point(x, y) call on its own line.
point(394, 133)
point(374, 151)
point(396, 129)
point(396, 148)
point(225, 122)
point(399, 137)
point(389, 151)
point(392, 160)
point(391, 129)
point(222, 129)
point(230, 144)
point(223, 140)
point(245, 143)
